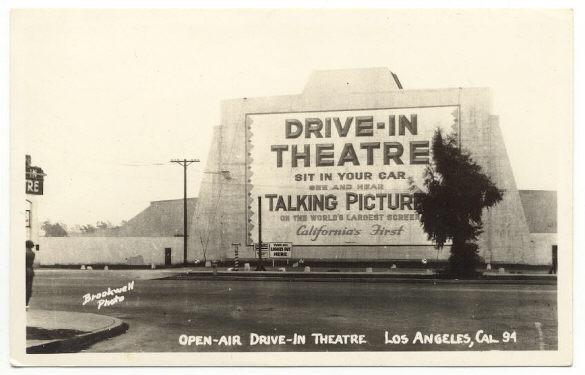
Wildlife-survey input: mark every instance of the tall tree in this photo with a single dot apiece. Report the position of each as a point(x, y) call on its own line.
point(54, 230)
point(87, 229)
point(451, 204)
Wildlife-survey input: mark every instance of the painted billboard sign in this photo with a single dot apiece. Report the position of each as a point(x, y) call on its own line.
point(340, 177)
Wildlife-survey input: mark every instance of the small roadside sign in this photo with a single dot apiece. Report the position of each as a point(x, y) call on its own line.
point(281, 250)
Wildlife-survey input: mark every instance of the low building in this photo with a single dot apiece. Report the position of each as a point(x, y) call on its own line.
point(152, 237)
point(160, 219)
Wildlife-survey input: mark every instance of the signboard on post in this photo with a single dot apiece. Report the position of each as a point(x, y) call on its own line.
point(35, 178)
point(280, 250)
point(265, 247)
point(34, 187)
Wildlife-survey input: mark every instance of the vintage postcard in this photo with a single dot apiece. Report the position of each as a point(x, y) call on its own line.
point(348, 187)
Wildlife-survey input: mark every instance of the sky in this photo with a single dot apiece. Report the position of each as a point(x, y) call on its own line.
point(103, 99)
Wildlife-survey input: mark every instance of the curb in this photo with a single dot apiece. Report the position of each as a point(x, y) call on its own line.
point(79, 342)
point(360, 277)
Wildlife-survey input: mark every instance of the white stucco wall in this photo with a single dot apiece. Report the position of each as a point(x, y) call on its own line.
point(108, 250)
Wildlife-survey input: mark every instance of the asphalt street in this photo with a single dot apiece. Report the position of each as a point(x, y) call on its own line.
point(211, 315)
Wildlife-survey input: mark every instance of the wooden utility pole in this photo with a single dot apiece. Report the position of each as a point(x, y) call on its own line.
point(185, 163)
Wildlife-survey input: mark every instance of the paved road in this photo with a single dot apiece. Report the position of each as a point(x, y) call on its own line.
point(159, 312)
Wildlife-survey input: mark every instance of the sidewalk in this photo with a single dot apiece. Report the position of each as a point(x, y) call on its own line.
point(68, 332)
point(317, 273)
point(361, 275)
point(136, 274)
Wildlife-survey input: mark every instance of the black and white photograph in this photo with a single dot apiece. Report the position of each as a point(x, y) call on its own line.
point(253, 187)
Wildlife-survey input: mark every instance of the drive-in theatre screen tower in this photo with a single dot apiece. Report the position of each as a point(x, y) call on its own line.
point(333, 165)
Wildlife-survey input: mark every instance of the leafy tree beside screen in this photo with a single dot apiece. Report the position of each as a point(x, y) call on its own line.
point(54, 230)
point(456, 193)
